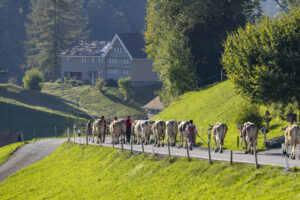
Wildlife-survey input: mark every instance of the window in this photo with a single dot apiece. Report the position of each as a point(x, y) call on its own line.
point(66, 74)
point(126, 61)
point(68, 59)
point(93, 60)
point(99, 60)
point(83, 60)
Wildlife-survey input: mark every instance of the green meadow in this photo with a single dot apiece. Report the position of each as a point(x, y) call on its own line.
point(8, 150)
point(93, 172)
point(217, 103)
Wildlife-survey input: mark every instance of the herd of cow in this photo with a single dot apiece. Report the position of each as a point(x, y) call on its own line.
point(148, 130)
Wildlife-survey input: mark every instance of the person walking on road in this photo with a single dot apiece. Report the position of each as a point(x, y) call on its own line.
point(191, 134)
point(128, 129)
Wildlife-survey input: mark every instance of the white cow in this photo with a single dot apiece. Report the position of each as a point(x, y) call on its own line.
point(171, 131)
point(182, 131)
point(292, 137)
point(219, 132)
point(249, 134)
point(158, 130)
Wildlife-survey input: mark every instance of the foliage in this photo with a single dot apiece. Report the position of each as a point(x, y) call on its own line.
point(8, 150)
point(3, 72)
point(217, 103)
point(263, 59)
point(13, 81)
point(184, 39)
point(125, 87)
point(85, 169)
point(59, 81)
point(73, 82)
point(33, 79)
point(249, 113)
point(100, 84)
point(111, 83)
point(55, 25)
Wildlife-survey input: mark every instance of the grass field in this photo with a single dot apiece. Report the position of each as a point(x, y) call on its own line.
point(80, 172)
point(36, 113)
point(218, 103)
point(8, 150)
point(110, 103)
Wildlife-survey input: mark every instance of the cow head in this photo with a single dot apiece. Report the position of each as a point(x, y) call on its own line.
point(283, 128)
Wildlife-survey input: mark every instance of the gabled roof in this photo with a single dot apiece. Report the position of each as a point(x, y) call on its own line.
point(155, 104)
point(82, 48)
point(133, 43)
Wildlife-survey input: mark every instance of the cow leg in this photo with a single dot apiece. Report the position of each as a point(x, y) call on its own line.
point(221, 146)
point(246, 144)
point(293, 152)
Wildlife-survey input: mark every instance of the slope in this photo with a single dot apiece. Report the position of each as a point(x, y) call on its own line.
point(36, 113)
point(93, 172)
point(218, 103)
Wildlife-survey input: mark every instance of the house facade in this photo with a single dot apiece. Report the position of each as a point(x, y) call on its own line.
point(154, 107)
point(122, 57)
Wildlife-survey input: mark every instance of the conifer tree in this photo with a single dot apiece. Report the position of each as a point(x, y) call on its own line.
point(55, 25)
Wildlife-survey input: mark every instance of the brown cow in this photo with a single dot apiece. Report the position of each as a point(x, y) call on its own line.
point(182, 132)
point(292, 137)
point(249, 133)
point(117, 129)
point(219, 132)
point(98, 131)
point(158, 130)
point(171, 131)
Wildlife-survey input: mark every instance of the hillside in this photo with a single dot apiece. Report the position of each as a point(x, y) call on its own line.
point(218, 103)
point(110, 103)
point(36, 113)
point(80, 172)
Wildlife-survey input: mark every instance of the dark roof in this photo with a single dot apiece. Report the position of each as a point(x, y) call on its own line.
point(155, 104)
point(134, 43)
point(9, 138)
point(94, 48)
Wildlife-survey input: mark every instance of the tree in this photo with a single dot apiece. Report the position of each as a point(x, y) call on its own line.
point(55, 25)
point(263, 59)
point(184, 39)
point(124, 87)
point(33, 79)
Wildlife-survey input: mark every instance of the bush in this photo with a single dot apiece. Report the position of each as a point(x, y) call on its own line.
point(73, 82)
point(13, 81)
point(249, 112)
point(124, 87)
point(59, 81)
point(100, 84)
point(33, 79)
point(111, 83)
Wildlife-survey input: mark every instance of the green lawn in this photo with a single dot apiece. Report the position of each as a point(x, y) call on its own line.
point(8, 150)
point(80, 172)
point(218, 103)
point(110, 103)
point(36, 113)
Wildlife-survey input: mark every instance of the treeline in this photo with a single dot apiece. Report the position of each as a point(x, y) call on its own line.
point(104, 19)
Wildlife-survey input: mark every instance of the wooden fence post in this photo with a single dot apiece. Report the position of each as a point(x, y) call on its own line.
point(153, 148)
point(55, 131)
point(169, 151)
point(68, 134)
point(131, 145)
point(231, 157)
point(122, 143)
point(86, 138)
point(209, 156)
point(74, 132)
point(265, 137)
point(187, 149)
point(113, 140)
point(255, 155)
point(143, 146)
point(237, 141)
point(287, 167)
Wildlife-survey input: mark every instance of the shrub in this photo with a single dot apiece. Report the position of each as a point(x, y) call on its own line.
point(111, 83)
point(33, 79)
point(124, 87)
point(100, 84)
point(12, 81)
point(59, 81)
point(73, 82)
point(249, 112)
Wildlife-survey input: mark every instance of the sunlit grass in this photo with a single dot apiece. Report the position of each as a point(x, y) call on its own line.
point(7, 150)
point(80, 172)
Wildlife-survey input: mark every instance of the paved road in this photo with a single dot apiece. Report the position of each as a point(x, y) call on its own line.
point(27, 155)
point(270, 157)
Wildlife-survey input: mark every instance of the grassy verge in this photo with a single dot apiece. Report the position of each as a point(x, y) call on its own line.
point(109, 103)
point(80, 172)
point(8, 150)
point(218, 103)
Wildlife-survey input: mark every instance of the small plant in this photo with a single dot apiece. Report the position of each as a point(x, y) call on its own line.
point(111, 83)
point(12, 81)
point(249, 112)
point(100, 84)
point(33, 79)
point(125, 87)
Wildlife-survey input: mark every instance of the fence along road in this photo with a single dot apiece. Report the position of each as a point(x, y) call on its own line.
point(269, 157)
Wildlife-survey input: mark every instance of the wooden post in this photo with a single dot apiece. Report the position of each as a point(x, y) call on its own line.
point(169, 151)
point(209, 156)
point(113, 140)
point(153, 148)
point(68, 134)
point(79, 138)
point(86, 138)
point(187, 149)
point(265, 137)
point(55, 131)
point(230, 157)
point(143, 146)
point(74, 131)
point(22, 137)
point(287, 167)
point(237, 141)
point(122, 143)
point(131, 145)
point(255, 155)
